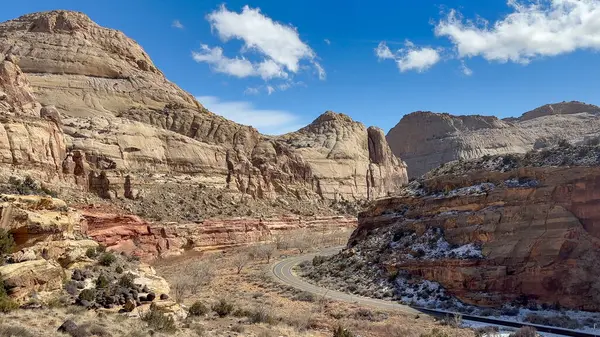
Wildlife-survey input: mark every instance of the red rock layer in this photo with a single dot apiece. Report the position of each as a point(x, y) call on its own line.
point(131, 234)
point(542, 242)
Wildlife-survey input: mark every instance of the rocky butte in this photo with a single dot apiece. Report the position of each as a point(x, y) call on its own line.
point(85, 112)
point(490, 232)
point(427, 139)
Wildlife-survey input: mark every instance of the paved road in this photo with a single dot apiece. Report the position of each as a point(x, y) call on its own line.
point(284, 273)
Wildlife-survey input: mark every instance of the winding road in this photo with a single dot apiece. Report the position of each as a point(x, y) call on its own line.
point(283, 271)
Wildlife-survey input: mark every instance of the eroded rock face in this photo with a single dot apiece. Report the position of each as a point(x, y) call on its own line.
point(120, 117)
point(426, 139)
point(132, 235)
point(23, 278)
point(535, 231)
point(32, 218)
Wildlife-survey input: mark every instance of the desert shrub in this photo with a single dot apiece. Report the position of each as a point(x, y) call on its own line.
point(304, 296)
point(340, 331)
point(261, 315)
point(102, 281)
point(486, 331)
point(127, 280)
point(223, 308)
point(87, 295)
point(562, 321)
point(107, 258)
point(7, 304)
point(158, 320)
point(198, 309)
point(197, 274)
point(100, 249)
point(7, 243)
point(119, 270)
point(91, 253)
point(525, 331)
point(318, 260)
point(435, 333)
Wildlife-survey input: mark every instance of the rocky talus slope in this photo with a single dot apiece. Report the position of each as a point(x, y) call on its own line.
point(426, 139)
point(120, 121)
point(489, 232)
point(56, 261)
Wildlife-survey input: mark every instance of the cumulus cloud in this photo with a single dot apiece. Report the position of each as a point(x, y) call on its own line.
point(272, 122)
point(327, 41)
point(541, 28)
point(278, 45)
point(238, 67)
point(410, 57)
point(177, 24)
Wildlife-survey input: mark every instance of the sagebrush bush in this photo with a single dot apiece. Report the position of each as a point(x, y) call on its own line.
point(126, 280)
point(119, 270)
point(223, 308)
point(91, 253)
point(341, 332)
point(102, 281)
point(261, 315)
point(159, 320)
point(7, 304)
point(198, 309)
point(87, 295)
point(107, 258)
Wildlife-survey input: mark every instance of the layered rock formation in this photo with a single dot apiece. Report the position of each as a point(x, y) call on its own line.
point(122, 120)
point(489, 238)
point(134, 236)
point(426, 139)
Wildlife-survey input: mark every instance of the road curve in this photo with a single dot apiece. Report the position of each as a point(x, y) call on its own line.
point(283, 272)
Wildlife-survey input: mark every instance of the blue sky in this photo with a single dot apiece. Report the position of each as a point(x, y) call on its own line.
point(354, 56)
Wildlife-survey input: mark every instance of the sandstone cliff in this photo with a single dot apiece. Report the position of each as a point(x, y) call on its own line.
point(112, 124)
point(426, 139)
point(491, 232)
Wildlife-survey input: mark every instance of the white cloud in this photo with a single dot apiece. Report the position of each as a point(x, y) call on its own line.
point(465, 70)
point(383, 52)
point(327, 41)
point(270, 89)
point(410, 57)
point(252, 91)
point(177, 24)
point(320, 71)
point(238, 67)
point(272, 122)
point(541, 28)
point(278, 45)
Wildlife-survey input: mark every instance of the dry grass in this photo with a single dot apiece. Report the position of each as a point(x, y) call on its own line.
point(261, 307)
point(279, 310)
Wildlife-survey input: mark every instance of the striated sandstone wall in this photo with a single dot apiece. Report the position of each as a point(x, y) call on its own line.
point(130, 234)
point(541, 242)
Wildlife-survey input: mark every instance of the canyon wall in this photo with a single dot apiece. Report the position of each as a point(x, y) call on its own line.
point(535, 233)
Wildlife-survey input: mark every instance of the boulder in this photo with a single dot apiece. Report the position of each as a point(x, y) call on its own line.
point(23, 278)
